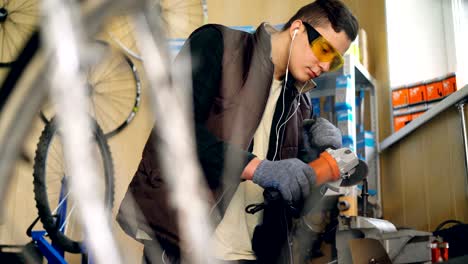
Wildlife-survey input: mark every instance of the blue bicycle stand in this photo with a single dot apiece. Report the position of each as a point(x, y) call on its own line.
point(52, 252)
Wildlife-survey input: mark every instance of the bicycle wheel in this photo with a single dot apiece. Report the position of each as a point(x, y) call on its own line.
point(178, 17)
point(50, 183)
point(115, 90)
point(17, 22)
point(181, 17)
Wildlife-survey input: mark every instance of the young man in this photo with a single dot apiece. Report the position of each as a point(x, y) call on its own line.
point(250, 102)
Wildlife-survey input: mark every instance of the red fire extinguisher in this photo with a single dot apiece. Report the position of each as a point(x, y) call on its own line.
point(439, 250)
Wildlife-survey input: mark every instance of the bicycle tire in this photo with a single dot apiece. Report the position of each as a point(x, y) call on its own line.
point(42, 185)
point(17, 23)
point(115, 89)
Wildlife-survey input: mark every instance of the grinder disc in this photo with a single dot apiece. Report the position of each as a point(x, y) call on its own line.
point(359, 174)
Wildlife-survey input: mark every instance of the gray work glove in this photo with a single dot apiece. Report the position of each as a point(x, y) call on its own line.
point(320, 134)
point(291, 177)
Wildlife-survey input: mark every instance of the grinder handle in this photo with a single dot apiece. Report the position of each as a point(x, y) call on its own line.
point(326, 168)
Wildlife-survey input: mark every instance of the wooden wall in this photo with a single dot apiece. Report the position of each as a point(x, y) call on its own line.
point(424, 178)
point(371, 16)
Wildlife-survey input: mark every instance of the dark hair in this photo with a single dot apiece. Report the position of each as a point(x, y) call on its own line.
point(322, 12)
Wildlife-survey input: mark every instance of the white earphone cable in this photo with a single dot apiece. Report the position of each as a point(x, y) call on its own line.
point(278, 126)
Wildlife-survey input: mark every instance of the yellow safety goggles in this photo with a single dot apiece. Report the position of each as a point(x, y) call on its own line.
point(322, 49)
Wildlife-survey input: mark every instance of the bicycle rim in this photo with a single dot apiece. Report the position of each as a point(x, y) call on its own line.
point(50, 180)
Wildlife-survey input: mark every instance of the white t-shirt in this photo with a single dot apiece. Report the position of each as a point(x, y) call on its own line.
point(232, 237)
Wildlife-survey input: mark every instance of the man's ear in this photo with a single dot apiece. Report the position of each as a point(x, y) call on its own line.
point(295, 28)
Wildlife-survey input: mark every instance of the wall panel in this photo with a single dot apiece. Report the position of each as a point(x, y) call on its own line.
point(430, 164)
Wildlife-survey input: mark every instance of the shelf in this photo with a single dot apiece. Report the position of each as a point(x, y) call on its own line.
point(326, 83)
point(450, 101)
point(363, 77)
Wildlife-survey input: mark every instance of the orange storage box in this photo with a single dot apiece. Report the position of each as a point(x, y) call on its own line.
point(449, 84)
point(400, 97)
point(400, 121)
point(435, 89)
point(417, 93)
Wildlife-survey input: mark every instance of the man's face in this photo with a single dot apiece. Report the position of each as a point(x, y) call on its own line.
point(304, 64)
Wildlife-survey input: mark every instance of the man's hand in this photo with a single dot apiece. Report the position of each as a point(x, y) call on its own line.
point(291, 177)
point(320, 134)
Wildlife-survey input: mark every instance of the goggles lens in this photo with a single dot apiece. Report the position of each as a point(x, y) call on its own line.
point(322, 49)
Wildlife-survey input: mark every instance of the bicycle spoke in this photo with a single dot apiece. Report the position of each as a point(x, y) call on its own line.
point(60, 204)
point(106, 120)
point(22, 6)
point(26, 31)
point(18, 15)
point(57, 172)
point(120, 73)
point(102, 121)
point(8, 43)
point(123, 100)
point(116, 107)
point(66, 219)
point(57, 150)
point(109, 70)
point(116, 81)
point(117, 101)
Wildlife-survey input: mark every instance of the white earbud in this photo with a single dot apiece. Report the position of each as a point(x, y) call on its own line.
point(294, 34)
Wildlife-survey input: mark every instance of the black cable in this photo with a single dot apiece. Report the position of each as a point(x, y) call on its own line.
point(451, 221)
